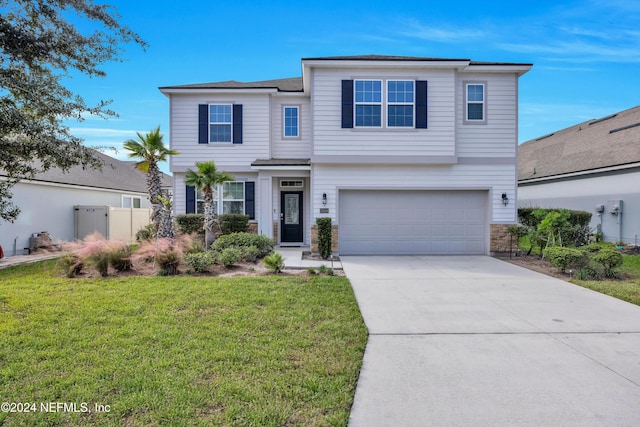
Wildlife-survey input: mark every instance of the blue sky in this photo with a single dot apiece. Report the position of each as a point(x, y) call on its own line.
point(586, 54)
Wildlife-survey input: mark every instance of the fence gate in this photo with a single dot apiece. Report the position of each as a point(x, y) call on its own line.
point(88, 219)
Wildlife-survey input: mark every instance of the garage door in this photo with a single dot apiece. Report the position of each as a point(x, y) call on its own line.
point(412, 222)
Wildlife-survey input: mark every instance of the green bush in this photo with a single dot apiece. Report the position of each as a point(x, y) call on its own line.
point(250, 253)
point(145, 233)
point(274, 262)
point(533, 216)
point(610, 259)
point(566, 258)
point(200, 261)
point(71, 265)
point(587, 273)
point(168, 262)
point(120, 258)
point(190, 223)
point(239, 240)
point(598, 246)
point(230, 256)
point(324, 237)
point(233, 223)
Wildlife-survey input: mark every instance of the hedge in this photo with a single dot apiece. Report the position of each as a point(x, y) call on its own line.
point(233, 223)
point(533, 216)
point(190, 223)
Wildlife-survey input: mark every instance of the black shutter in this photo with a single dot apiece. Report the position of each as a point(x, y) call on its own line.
point(191, 199)
point(203, 124)
point(347, 104)
point(421, 104)
point(250, 199)
point(237, 123)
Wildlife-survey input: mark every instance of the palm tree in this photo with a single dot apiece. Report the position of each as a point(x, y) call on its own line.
point(151, 150)
point(205, 179)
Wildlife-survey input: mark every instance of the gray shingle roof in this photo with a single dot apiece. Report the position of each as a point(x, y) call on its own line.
point(374, 57)
point(293, 84)
point(115, 175)
point(613, 140)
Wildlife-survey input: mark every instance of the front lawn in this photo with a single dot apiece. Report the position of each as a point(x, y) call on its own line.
point(155, 351)
point(627, 289)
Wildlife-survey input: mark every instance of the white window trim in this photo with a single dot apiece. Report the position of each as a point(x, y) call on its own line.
point(132, 197)
point(466, 119)
point(381, 103)
point(219, 123)
point(284, 136)
point(412, 103)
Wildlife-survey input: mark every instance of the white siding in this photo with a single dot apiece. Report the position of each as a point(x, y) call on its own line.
point(228, 157)
point(584, 193)
point(47, 207)
point(331, 139)
point(498, 137)
point(290, 148)
point(495, 178)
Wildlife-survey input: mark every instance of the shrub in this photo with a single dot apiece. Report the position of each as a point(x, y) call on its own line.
point(324, 237)
point(233, 223)
point(166, 253)
point(168, 262)
point(596, 247)
point(239, 240)
point(120, 258)
point(323, 269)
point(564, 258)
point(145, 233)
point(230, 256)
point(610, 259)
point(274, 262)
point(562, 226)
point(312, 271)
point(200, 261)
point(587, 273)
point(250, 253)
point(71, 265)
point(190, 223)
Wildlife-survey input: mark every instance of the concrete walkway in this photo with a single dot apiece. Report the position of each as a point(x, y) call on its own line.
point(293, 259)
point(26, 259)
point(475, 341)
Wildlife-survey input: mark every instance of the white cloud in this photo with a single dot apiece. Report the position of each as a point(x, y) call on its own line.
point(442, 34)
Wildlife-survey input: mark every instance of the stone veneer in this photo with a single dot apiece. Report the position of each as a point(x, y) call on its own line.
point(500, 239)
point(314, 239)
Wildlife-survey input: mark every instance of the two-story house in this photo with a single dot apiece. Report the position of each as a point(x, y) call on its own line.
point(406, 155)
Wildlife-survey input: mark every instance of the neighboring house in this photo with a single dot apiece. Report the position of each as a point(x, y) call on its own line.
point(593, 166)
point(47, 201)
point(406, 155)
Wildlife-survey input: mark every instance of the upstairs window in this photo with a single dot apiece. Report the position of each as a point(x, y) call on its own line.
point(400, 100)
point(291, 120)
point(475, 102)
point(220, 122)
point(368, 103)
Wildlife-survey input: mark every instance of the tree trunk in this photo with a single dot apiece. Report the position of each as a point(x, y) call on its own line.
point(209, 219)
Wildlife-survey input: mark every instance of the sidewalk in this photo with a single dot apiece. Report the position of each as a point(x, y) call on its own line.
point(26, 259)
point(293, 259)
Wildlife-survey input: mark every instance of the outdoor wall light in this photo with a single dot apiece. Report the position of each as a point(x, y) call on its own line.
point(505, 199)
point(324, 199)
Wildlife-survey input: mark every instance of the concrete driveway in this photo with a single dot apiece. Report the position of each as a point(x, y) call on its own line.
point(475, 341)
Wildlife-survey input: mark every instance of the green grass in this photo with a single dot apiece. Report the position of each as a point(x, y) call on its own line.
point(266, 351)
point(627, 289)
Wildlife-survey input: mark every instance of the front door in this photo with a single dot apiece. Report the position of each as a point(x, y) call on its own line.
point(291, 216)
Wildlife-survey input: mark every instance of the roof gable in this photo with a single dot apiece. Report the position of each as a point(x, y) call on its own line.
point(609, 141)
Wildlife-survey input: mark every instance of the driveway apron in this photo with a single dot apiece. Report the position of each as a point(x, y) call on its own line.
point(475, 341)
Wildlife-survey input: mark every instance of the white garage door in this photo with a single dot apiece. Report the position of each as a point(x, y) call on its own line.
point(412, 222)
